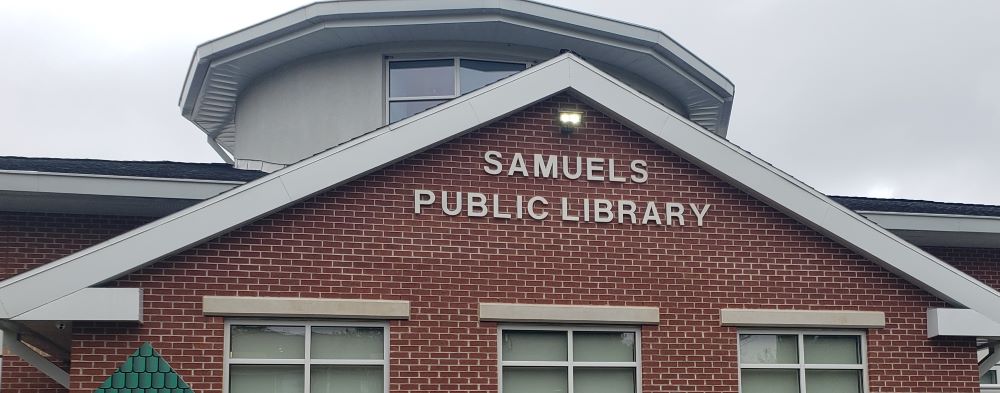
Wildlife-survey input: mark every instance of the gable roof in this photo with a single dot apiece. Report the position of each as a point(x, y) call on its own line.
point(386, 145)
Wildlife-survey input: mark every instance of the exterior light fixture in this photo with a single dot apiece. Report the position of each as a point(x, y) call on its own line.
point(569, 121)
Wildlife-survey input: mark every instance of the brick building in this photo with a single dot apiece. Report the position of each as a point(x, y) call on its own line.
point(445, 196)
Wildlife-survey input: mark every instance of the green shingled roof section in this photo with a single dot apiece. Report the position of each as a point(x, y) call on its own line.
point(144, 372)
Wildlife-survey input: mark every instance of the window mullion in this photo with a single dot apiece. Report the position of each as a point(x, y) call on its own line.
point(308, 360)
point(569, 358)
point(802, 362)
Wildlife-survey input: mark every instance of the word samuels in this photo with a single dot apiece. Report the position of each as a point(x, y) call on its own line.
point(474, 204)
point(556, 167)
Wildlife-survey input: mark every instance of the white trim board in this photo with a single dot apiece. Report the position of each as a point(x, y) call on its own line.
point(125, 186)
point(389, 144)
point(960, 322)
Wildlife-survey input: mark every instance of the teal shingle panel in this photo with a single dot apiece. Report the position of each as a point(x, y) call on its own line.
point(145, 371)
point(118, 380)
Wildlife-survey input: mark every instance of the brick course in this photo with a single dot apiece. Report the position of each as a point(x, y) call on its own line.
point(362, 240)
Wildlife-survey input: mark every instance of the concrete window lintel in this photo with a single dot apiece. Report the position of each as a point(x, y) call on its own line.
point(503, 312)
point(305, 307)
point(802, 318)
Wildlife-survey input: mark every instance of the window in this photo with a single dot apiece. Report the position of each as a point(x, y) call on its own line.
point(415, 85)
point(579, 360)
point(307, 357)
point(806, 362)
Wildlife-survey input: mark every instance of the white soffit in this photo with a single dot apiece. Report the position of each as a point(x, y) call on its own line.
point(375, 150)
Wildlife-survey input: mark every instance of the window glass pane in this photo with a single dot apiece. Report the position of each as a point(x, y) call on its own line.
point(346, 379)
point(267, 342)
point(534, 345)
point(990, 378)
point(833, 349)
point(769, 349)
point(266, 379)
point(399, 110)
point(603, 346)
point(341, 342)
point(833, 381)
point(535, 380)
point(422, 78)
point(769, 381)
point(603, 380)
point(478, 73)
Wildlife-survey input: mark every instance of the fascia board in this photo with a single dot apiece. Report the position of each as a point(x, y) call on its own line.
point(935, 222)
point(785, 193)
point(124, 186)
point(91, 304)
point(960, 322)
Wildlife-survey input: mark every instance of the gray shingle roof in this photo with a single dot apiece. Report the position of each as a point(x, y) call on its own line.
point(161, 169)
point(916, 206)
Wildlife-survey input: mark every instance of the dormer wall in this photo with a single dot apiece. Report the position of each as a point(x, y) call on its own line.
point(314, 103)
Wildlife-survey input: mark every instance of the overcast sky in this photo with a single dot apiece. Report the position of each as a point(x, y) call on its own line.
point(870, 98)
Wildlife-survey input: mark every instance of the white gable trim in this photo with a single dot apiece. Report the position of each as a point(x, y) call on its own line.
point(389, 144)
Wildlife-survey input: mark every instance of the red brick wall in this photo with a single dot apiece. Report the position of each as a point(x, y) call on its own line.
point(980, 263)
point(29, 240)
point(362, 240)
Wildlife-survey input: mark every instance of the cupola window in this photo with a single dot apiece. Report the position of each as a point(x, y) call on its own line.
point(416, 85)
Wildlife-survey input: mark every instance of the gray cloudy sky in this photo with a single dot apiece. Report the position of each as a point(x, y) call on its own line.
point(854, 97)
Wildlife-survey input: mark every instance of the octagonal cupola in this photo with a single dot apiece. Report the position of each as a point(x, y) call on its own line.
point(292, 86)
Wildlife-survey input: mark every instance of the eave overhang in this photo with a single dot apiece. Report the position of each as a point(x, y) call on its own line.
point(220, 69)
point(940, 230)
point(74, 193)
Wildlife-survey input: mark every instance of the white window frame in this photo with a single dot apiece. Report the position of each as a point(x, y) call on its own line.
point(456, 65)
point(569, 363)
point(307, 362)
point(802, 366)
point(994, 386)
